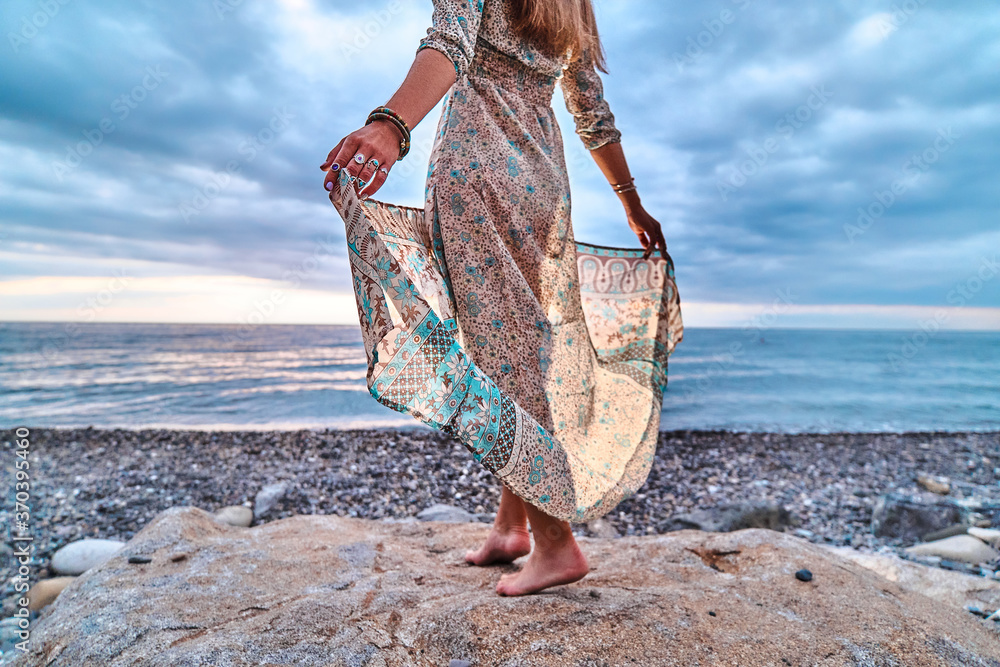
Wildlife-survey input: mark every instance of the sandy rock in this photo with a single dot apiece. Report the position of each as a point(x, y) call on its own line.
point(329, 590)
point(44, 592)
point(955, 589)
point(78, 557)
point(989, 535)
point(268, 497)
point(448, 513)
point(934, 483)
point(235, 515)
point(963, 548)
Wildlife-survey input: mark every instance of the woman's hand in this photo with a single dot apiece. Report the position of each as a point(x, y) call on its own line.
point(611, 159)
point(378, 145)
point(648, 230)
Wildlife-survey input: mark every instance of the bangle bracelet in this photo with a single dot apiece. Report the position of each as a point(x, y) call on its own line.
point(404, 145)
point(387, 114)
point(624, 187)
point(630, 188)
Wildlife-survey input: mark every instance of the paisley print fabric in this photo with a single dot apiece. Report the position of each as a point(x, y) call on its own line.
point(482, 315)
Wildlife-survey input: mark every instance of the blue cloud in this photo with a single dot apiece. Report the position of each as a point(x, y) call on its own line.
point(759, 136)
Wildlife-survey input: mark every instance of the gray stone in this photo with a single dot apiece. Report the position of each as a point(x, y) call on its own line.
point(963, 548)
point(981, 513)
point(235, 515)
point(602, 528)
point(989, 535)
point(910, 518)
point(956, 529)
point(78, 557)
point(734, 516)
point(329, 590)
point(954, 589)
point(268, 497)
point(447, 513)
point(934, 483)
point(10, 634)
point(44, 592)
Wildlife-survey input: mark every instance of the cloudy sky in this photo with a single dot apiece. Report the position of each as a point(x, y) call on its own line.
point(825, 164)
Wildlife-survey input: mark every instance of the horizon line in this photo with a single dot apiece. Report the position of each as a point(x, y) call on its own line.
point(358, 326)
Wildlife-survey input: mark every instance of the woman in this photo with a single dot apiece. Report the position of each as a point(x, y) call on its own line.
point(486, 277)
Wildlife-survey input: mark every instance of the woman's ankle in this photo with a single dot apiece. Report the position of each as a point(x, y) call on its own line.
point(553, 536)
point(510, 526)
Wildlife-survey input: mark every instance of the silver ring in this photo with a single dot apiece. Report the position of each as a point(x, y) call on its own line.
point(384, 171)
point(361, 183)
point(359, 158)
point(373, 162)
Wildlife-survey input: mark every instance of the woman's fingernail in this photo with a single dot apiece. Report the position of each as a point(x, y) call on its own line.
point(335, 167)
point(329, 185)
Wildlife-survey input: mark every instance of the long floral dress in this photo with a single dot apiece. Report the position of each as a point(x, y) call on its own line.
point(481, 313)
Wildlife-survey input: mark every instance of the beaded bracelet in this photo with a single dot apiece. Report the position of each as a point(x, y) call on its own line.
point(404, 145)
point(385, 113)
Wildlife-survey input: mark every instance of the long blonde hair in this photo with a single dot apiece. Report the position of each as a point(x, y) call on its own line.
point(560, 26)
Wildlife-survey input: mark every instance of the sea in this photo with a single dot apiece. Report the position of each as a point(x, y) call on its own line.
point(222, 377)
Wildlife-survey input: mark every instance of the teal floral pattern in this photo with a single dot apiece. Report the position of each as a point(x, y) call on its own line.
point(482, 315)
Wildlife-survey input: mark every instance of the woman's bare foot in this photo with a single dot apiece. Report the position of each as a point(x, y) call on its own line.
point(556, 559)
point(552, 567)
point(502, 546)
point(509, 538)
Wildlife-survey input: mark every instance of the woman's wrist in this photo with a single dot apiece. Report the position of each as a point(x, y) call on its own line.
point(630, 200)
point(396, 132)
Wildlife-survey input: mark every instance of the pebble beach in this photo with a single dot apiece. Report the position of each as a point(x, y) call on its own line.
point(110, 483)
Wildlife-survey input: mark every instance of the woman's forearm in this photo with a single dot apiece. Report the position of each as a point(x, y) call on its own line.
point(611, 160)
point(429, 78)
point(367, 154)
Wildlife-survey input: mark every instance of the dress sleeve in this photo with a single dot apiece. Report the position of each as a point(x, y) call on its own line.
point(453, 31)
point(584, 94)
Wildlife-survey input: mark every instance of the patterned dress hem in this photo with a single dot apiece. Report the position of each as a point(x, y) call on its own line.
point(417, 363)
